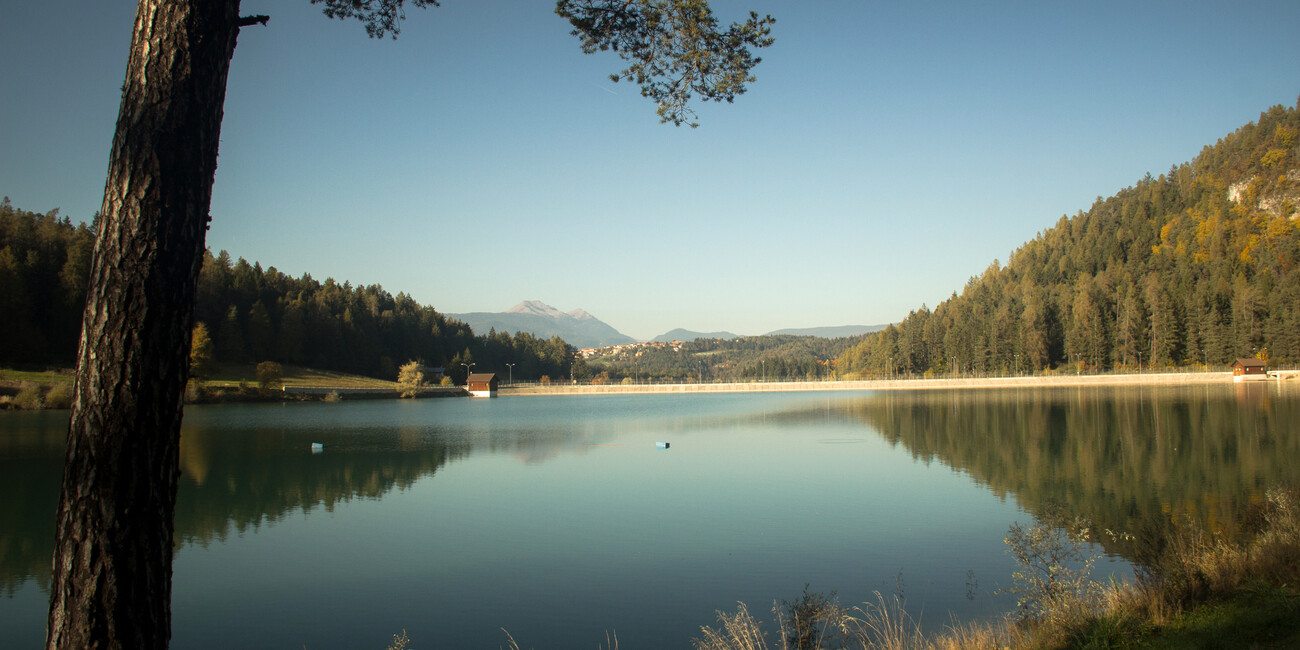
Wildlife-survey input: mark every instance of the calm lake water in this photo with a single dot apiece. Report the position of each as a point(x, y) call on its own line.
point(558, 519)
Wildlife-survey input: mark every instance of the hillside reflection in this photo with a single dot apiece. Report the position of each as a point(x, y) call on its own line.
point(1131, 459)
point(231, 486)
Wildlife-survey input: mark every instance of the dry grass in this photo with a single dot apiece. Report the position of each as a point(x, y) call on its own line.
point(740, 631)
point(32, 396)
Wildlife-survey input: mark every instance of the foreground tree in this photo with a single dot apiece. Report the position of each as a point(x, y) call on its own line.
point(111, 582)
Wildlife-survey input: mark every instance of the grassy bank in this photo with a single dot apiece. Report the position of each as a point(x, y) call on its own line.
point(233, 374)
point(52, 389)
point(1198, 591)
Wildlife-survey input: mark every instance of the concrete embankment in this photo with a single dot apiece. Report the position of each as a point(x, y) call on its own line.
point(1178, 378)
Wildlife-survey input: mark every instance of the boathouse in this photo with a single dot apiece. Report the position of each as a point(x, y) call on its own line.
point(482, 384)
point(1245, 369)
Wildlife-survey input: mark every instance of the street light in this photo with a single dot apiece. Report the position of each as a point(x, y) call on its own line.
point(467, 367)
point(511, 367)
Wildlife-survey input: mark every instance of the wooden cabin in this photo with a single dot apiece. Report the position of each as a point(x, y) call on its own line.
point(482, 384)
point(1249, 369)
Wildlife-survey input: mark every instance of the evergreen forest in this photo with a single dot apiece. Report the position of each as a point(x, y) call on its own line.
point(251, 314)
point(772, 357)
point(1193, 268)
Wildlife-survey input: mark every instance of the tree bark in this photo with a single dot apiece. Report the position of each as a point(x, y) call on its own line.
point(111, 585)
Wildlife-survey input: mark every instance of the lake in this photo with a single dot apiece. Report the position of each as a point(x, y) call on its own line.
point(558, 518)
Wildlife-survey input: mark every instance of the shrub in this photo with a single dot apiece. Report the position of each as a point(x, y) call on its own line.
point(193, 390)
point(808, 620)
point(447, 381)
point(270, 375)
point(29, 397)
point(59, 397)
point(1054, 574)
point(332, 396)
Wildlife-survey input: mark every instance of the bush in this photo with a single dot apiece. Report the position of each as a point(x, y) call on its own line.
point(1054, 576)
point(410, 379)
point(29, 398)
point(270, 375)
point(332, 396)
point(59, 397)
point(808, 620)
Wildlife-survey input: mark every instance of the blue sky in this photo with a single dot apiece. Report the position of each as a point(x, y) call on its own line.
point(887, 152)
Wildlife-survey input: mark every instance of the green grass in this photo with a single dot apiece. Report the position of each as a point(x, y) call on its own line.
point(226, 375)
point(42, 377)
point(297, 376)
point(1267, 617)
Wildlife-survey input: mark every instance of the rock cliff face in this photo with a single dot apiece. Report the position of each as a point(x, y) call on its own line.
point(1281, 200)
point(578, 328)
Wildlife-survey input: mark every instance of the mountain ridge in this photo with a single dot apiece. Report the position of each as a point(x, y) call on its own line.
point(578, 327)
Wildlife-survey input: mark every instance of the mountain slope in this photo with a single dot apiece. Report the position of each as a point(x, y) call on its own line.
point(1197, 266)
point(830, 332)
point(680, 334)
point(578, 328)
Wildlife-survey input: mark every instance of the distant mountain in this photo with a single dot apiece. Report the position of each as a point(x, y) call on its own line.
point(831, 332)
point(578, 328)
point(680, 334)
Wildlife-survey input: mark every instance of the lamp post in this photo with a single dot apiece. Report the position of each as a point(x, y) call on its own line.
point(467, 367)
point(511, 368)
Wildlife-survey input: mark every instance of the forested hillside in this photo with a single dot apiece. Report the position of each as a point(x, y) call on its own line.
point(1197, 266)
point(251, 314)
point(771, 357)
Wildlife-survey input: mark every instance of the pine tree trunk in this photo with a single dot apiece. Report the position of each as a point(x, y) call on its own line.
point(111, 585)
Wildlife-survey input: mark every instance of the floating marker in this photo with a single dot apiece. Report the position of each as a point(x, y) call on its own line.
point(661, 445)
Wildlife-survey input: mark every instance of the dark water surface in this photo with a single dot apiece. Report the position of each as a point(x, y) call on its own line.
point(558, 519)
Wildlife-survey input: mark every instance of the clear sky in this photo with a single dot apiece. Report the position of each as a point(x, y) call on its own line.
point(888, 151)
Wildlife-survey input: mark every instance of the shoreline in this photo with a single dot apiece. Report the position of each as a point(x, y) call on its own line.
point(1139, 379)
point(316, 393)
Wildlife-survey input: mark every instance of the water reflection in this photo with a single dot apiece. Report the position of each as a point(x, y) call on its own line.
point(1131, 459)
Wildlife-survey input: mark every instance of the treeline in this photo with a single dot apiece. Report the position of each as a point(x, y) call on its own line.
point(773, 357)
point(251, 314)
point(1195, 267)
point(255, 315)
point(44, 266)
